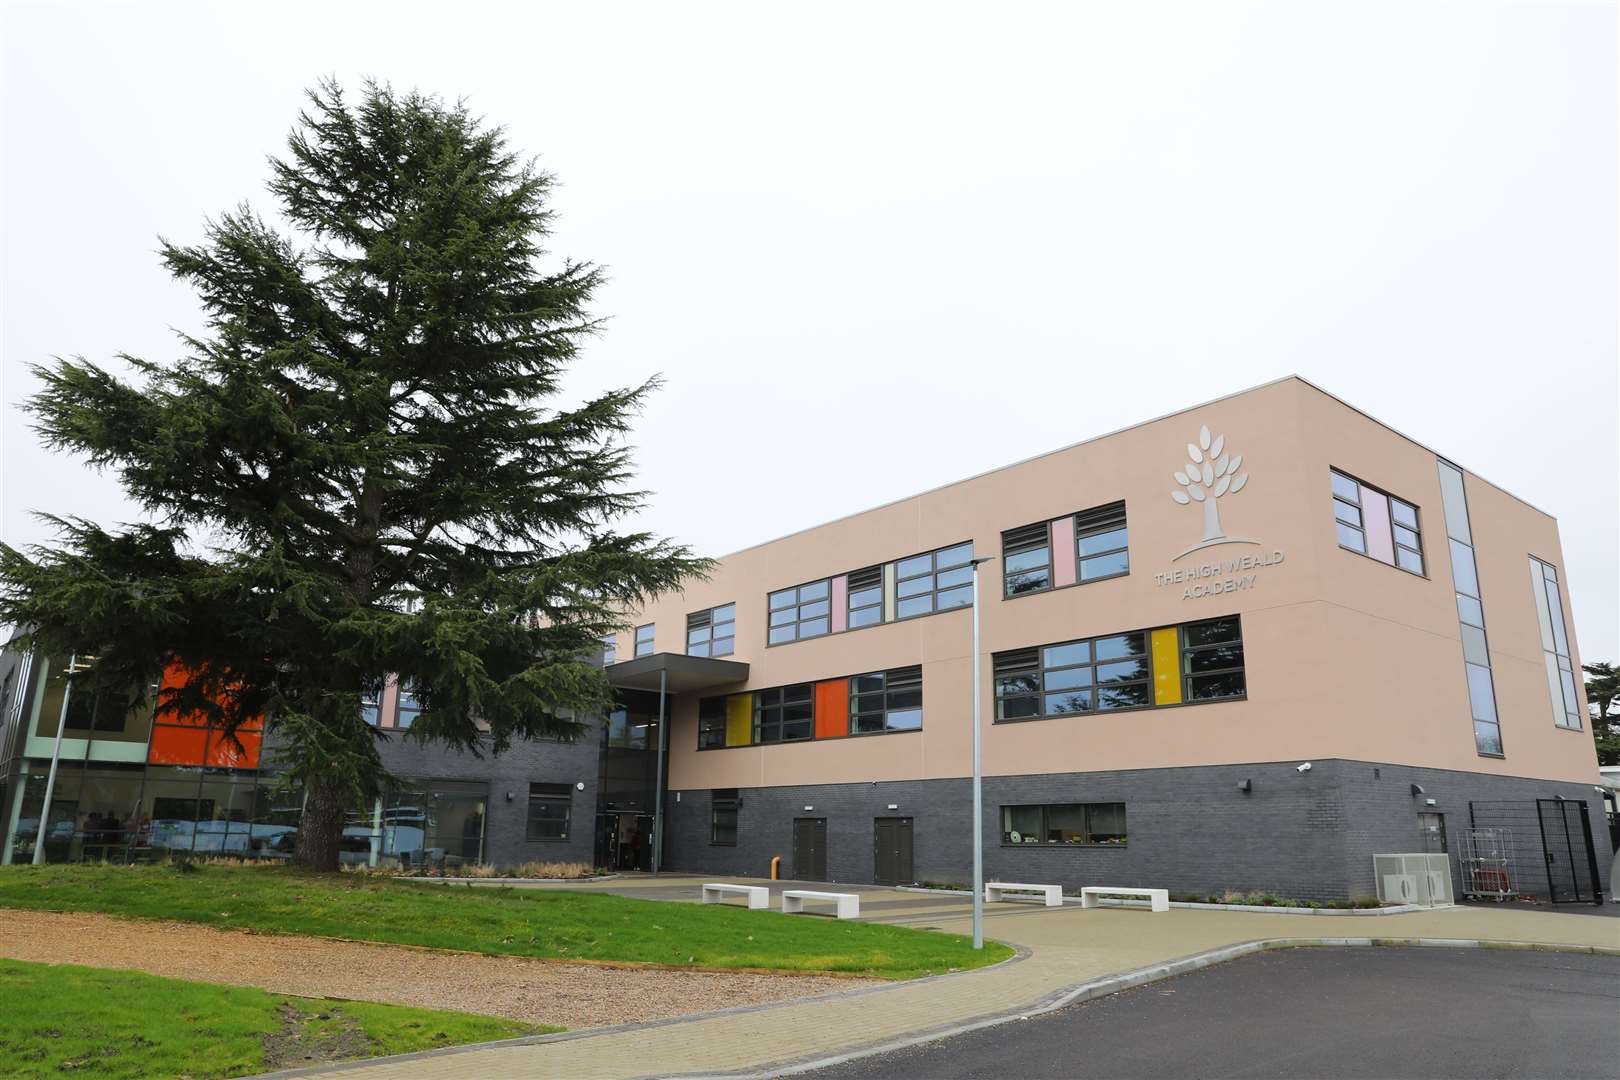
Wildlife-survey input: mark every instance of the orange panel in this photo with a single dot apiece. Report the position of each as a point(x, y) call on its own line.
point(223, 753)
point(177, 745)
point(832, 708)
point(177, 675)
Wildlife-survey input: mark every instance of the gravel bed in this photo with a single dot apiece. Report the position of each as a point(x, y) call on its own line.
point(539, 991)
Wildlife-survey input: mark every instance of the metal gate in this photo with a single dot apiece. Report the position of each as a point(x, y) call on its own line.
point(1552, 853)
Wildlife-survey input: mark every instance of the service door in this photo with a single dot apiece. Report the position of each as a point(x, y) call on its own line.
point(893, 839)
point(810, 848)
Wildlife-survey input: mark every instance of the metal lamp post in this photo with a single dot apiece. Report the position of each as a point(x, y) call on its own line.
point(56, 761)
point(978, 780)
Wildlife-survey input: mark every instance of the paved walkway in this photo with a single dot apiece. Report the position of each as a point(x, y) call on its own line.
point(1060, 949)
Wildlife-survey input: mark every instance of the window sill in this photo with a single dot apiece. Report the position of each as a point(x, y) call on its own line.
point(1116, 712)
point(1487, 753)
point(545, 839)
point(1060, 588)
point(1064, 847)
point(1393, 566)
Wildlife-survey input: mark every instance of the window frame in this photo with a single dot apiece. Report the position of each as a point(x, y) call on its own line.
point(1012, 664)
point(707, 729)
point(706, 622)
point(406, 691)
point(551, 798)
point(1045, 809)
point(650, 641)
point(610, 649)
point(1102, 523)
point(797, 605)
point(909, 680)
point(932, 575)
point(866, 580)
point(1550, 606)
point(1014, 542)
point(780, 705)
point(1360, 528)
point(1090, 522)
point(721, 803)
point(1187, 651)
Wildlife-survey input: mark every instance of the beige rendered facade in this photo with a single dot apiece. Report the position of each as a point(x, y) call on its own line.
point(1354, 660)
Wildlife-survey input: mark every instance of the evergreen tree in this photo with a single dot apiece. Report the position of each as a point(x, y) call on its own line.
point(1603, 698)
point(354, 470)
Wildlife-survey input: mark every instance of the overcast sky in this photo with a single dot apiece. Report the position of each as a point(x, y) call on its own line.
point(875, 248)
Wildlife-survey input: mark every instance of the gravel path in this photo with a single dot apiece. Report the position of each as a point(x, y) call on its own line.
point(539, 991)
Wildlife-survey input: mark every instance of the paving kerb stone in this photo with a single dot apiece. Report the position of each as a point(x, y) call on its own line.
point(1071, 952)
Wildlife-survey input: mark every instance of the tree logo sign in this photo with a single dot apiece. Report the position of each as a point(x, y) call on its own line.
point(1209, 475)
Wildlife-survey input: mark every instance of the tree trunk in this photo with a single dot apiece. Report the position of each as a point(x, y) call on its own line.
point(1212, 519)
point(321, 828)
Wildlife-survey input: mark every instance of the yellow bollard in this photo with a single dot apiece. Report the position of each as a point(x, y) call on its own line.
point(776, 866)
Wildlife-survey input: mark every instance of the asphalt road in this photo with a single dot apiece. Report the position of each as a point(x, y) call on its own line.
point(1368, 1014)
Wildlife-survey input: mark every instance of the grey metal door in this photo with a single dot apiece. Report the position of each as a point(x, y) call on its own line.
point(893, 851)
point(810, 848)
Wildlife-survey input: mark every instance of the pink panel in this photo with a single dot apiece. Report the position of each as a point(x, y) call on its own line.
point(1062, 552)
point(1375, 520)
point(390, 700)
point(840, 603)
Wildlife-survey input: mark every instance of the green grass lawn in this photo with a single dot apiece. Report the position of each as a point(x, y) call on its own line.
point(60, 1019)
point(519, 922)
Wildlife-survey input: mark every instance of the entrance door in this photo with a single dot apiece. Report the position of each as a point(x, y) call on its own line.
point(810, 848)
point(893, 852)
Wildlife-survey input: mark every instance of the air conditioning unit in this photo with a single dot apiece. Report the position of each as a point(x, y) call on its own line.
point(1422, 878)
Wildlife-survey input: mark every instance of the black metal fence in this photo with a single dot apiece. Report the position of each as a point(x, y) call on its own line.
point(1554, 855)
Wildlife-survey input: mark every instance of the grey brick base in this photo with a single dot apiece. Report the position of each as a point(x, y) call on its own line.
point(1306, 835)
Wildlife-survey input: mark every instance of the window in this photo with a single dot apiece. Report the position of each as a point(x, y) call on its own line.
point(800, 613)
point(1100, 541)
point(786, 714)
point(408, 708)
point(644, 640)
point(1064, 823)
point(934, 581)
point(1073, 677)
point(723, 804)
point(1470, 613)
point(1212, 659)
point(371, 701)
point(886, 701)
point(1378, 525)
point(610, 649)
point(627, 732)
point(1566, 699)
point(866, 597)
point(1026, 559)
point(711, 723)
point(712, 632)
point(1117, 671)
point(1091, 545)
point(549, 808)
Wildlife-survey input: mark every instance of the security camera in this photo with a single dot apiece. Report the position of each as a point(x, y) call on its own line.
point(1303, 766)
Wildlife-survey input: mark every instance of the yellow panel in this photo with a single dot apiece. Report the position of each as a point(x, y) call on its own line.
point(1166, 667)
point(739, 719)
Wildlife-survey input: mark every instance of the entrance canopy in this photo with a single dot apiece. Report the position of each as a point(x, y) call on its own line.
point(675, 673)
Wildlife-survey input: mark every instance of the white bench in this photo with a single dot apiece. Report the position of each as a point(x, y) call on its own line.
point(993, 891)
point(758, 895)
point(849, 904)
point(1159, 897)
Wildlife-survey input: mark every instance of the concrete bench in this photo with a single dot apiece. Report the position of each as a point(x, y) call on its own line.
point(994, 890)
point(758, 895)
point(1159, 897)
point(849, 904)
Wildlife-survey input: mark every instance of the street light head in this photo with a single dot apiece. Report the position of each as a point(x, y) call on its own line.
point(981, 559)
